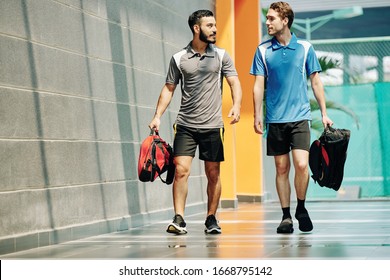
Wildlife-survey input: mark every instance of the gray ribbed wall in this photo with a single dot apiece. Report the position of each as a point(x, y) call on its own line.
point(79, 81)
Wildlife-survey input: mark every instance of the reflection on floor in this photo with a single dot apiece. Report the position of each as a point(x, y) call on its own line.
point(356, 230)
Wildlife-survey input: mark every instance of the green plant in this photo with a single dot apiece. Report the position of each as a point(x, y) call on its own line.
point(328, 63)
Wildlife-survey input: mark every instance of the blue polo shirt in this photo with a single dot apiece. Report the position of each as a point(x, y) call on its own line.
point(286, 69)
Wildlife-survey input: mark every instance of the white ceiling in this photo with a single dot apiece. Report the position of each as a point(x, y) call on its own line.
point(326, 5)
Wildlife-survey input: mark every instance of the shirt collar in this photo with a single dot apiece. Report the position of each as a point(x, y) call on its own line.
point(210, 52)
point(292, 45)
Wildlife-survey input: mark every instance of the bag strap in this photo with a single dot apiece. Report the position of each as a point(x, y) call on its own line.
point(155, 167)
point(171, 168)
point(158, 170)
point(154, 164)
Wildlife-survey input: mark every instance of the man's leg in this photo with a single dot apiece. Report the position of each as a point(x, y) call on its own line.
point(212, 170)
point(180, 191)
point(213, 186)
point(282, 165)
point(301, 181)
point(180, 183)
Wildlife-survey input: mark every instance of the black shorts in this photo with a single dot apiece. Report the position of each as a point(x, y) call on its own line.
point(283, 137)
point(210, 142)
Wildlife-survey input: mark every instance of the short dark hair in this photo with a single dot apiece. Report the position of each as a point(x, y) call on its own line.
point(195, 17)
point(284, 10)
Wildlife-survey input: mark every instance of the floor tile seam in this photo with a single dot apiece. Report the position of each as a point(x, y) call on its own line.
point(380, 210)
point(261, 221)
point(226, 237)
point(247, 243)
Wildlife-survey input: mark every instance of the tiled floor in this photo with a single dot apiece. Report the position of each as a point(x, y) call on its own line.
point(355, 230)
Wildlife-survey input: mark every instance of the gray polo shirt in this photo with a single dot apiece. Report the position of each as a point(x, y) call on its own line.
point(201, 79)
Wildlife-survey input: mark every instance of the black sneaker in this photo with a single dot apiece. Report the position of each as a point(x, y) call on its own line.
point(212, 226)
point(286, 226)
point(304, 221)
point(178, 225)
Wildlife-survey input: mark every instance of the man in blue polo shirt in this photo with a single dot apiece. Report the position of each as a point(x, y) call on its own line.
point(282, 65)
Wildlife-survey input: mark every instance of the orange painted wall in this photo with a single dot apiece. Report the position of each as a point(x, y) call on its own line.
point(225, 39)
point(249, 152)
point(238, 23)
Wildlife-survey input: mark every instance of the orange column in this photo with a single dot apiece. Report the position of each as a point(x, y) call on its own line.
point(248, 144)
point(238, 23)
point(225, 39)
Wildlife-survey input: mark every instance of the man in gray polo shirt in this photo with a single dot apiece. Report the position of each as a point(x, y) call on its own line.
point(199, 68)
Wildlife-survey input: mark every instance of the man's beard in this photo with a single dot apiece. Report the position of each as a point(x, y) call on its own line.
point(204, 38)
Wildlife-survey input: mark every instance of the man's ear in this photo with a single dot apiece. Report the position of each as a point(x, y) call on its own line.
point(285, 21)
point(196, 28)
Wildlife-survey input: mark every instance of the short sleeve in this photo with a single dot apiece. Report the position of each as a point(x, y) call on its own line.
point(228, 68)
point(173, 75)
point(312, 63)
point(258, 67)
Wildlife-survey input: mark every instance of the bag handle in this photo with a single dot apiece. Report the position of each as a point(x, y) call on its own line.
point(153, 131)
point(329, 128)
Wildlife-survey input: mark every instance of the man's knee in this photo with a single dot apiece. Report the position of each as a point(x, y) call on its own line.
point(212, 172)
point(282, 168)
point(301, 167)
point(182, 170)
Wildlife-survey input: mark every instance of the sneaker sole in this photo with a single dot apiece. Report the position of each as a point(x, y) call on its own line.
point(285, 228)
point(213, 231)
point(290, 230)
point(172, 228)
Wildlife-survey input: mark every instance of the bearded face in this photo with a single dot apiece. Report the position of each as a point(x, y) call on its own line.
point(208, 30)
point(207, 37)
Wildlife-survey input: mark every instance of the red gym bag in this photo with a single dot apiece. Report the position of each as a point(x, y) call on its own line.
point(155, 158)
